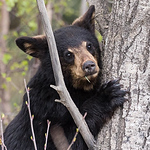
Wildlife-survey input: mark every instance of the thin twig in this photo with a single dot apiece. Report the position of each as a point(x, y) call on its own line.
point(2, 139)
point(75, 136)
point(31, 116)
point(46, 135)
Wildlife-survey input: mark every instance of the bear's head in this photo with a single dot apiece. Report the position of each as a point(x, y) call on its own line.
point(78, 50)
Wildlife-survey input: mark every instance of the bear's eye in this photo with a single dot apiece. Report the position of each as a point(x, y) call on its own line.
point(69, 56)
point(90, 48)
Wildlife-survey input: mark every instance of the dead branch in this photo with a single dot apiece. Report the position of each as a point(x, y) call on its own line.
point(60, 87)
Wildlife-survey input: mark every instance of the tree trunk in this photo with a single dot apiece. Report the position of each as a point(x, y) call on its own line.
point(4, 28)
point(83, 7)
point(126, 54)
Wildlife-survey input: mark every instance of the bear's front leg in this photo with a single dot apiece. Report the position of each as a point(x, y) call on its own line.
point(101, 107)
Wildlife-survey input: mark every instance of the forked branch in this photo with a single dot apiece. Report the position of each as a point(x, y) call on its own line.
point(65, 98)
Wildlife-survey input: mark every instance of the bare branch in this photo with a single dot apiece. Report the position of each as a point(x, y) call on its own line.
point(31, 116)
point(75, 136)
point(63, 93)
point(2, 139)
point(47, 133)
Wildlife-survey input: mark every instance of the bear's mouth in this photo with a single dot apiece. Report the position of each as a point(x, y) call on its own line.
point(90, 77)
point(90, 73)
point(85, 82)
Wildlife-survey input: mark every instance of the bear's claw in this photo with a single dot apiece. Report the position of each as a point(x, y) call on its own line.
point(111, 92)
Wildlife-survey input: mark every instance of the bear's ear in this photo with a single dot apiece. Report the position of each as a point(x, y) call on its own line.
point(87, 20)
point(34, 46)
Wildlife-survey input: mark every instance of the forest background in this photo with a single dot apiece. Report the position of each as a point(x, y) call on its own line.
point(21, 18)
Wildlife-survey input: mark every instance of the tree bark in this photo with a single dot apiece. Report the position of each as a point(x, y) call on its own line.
point(83, 7)
point(126, 53)
point(4, 28)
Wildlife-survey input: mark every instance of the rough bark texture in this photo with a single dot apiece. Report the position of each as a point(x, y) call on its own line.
point(127, 55)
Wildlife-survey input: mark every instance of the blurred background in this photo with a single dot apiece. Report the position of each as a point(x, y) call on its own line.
point(21, 18)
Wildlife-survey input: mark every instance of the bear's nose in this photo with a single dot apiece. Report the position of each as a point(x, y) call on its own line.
point(89, 67)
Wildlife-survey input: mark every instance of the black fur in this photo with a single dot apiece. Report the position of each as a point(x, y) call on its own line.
point(99, 103)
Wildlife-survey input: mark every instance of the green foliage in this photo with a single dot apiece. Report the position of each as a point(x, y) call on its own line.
point(3, 75)
point(8, 79)
point(16, 106)
point(29, 57)
point(71, 12)
point(22, 33)
point(99, 36)
point(15, 34)
point(10, 4)
point(3, 86)
point(32, 25)
point(65, 11)
point(26, 7)
point(6, 58)
point(23, 65)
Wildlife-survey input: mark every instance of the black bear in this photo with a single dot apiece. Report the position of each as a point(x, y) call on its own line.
point(81, 64)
